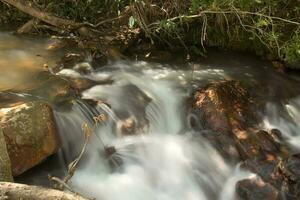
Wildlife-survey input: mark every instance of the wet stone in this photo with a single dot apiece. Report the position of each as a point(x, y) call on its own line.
point(277, 135)
point(268, 167)
point(267, 142)
point(224, 144)
point(256, 189)
point(292, 165)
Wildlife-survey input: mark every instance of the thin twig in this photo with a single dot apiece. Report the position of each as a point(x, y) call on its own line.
point(227, 12)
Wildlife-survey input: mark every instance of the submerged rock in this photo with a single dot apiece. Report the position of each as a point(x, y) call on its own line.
point(30, 134)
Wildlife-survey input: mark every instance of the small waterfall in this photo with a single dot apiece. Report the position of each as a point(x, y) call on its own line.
point(160, 160)
point(286, 118)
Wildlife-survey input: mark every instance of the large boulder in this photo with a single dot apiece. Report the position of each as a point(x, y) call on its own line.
point(30, 134)
point(225, 106)
point(5, 167)
point(229, 108)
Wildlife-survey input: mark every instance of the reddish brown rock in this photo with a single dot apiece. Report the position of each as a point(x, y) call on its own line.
point(227, 107)
point(268, 168)
point(30, 134)
point(256, 188)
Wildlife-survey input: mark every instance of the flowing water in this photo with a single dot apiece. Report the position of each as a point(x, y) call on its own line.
point(164, 159)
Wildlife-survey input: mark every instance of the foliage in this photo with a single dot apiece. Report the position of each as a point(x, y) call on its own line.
point(263, 26)
point(292, 49)
point(78, 10)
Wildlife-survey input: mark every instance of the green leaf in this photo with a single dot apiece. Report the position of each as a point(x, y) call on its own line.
point(131, 22)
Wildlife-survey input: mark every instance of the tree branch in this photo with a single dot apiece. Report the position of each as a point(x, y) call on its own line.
point(46, 17)
point(15, 191)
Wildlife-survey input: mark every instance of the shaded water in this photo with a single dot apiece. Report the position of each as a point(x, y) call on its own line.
point(164, 159)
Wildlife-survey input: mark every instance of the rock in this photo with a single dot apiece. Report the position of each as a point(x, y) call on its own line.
point(292, 172)
point(83, 68)
point(279, 66)
point(256, 188)
point(30, 134)
point(268, 168)
point(225, 106)
point(55, 89)
point(126, 127)
point(136, 120)
point(292, 165)
point(5, 166)
point(80, 84)
point(70, 59)
point(158, 56)
point(224, 144)
point(276, 135)
point(228, 108)
point(275, 167)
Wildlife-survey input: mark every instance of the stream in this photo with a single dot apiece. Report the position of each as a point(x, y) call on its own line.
point(162, 160)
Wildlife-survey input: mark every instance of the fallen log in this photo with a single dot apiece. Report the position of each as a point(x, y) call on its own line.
point(28, 26)
point(15, 191)
point(30, 9)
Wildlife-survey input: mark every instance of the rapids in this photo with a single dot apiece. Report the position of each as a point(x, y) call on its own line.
point(165, 159)
point(161, 162)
